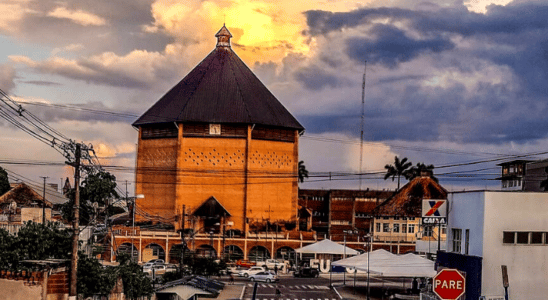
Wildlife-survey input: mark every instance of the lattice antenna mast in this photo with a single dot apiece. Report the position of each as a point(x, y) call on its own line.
point(362, 122)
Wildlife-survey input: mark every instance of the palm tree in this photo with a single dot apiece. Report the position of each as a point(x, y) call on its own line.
point(416, 171)
point(303, 172)
point(400, 168)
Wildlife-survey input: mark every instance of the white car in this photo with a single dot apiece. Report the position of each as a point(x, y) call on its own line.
point(251, 271)
point(267, 276)
point(271, 263)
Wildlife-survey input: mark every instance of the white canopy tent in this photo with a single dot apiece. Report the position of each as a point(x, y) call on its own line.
point(386, 264)
point(327, 247)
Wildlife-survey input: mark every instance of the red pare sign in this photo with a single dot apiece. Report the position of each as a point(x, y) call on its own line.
point(449, 284)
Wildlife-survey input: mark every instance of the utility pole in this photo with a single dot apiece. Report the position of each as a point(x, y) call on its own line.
point(44, 202)
point(76, 229)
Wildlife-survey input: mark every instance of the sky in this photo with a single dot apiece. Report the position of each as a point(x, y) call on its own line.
point(448, 83)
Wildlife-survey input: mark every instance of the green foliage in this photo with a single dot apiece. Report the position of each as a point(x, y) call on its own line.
point(398, 169)
point(303, 172)
point(416, 171)
point(136, 284)
point(93, 278)
point(97, 188)
point(4, 182)
point(38, 241)
point(8, 254)
point(34, 241)
point(204, 266)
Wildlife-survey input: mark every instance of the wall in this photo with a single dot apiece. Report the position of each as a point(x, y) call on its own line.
point(527, 264)
point(12, 289)
point(465, 211)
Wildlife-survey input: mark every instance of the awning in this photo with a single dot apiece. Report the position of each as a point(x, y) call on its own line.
point(387, 264)
point(327, 247)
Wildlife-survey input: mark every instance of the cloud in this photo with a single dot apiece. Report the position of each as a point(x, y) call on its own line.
point(391, 46)
point(7, 76)
point(79, 16)
point(137, 69)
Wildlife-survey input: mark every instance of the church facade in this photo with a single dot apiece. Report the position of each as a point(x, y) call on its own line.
point(218, 151)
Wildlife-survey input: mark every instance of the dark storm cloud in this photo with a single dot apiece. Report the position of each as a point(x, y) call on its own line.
point(391, 46)
point(315, 78)
point(512, 37)
point(122, 31)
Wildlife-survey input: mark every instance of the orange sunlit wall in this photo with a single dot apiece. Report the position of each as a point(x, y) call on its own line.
point(253, 179)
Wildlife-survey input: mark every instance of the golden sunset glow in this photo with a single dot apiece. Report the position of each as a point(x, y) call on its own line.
point(262, 30)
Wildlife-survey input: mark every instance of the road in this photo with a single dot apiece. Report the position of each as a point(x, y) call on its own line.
point(291, 288)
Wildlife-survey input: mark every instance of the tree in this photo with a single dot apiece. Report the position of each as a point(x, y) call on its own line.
point(398, 169)
point(420, 168)
point(99, 187)
point(34, 241)
point(136, 284)
point(303, 172)
point(4, 182)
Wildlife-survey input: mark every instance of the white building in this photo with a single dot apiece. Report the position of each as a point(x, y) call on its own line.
point(504, 228)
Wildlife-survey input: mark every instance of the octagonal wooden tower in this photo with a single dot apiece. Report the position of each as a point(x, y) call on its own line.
point(220, 145)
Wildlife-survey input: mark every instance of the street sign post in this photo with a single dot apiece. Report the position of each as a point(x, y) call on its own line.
point(449, 284)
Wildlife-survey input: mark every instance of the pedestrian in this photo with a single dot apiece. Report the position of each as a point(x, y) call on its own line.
point(231, 278)
point(276, 269)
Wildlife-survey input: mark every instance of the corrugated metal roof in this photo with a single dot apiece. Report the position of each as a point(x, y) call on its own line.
point(407, 202)
point(220, 89)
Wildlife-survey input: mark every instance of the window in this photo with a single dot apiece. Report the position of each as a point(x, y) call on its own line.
point(386, 227)
point(466, 241)
point(404, 228)
point(378, 227)
point(396, 218)
point(386, 218)
point(412, 218)
point(523, 238)
point(508, 237)
point(536, 237)
point(397, 228)
point(428, 231)
point(457, 239)
point(411, 228)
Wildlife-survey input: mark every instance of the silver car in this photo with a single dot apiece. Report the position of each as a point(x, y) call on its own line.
point(267, 276)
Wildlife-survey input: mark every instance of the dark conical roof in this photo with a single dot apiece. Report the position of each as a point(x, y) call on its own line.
point(220, 89)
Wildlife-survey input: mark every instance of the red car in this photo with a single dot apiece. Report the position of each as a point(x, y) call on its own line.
point(245, 263)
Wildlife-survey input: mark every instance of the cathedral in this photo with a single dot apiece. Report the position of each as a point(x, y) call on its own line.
point(218, 151)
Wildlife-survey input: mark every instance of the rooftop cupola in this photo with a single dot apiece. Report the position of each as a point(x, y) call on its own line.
point(223, 37)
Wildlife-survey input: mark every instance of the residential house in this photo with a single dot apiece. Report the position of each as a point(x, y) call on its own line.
point(398, 223)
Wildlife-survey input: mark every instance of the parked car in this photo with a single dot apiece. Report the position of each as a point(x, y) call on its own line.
point(267, 276)
point(271, 263)
point(245, 263)
point(148, 265)
point(307, 272)
point(157, 261)
point(156, 269)
point(251, 271)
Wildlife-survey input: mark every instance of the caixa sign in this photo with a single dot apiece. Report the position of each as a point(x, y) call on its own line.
point(434, 220)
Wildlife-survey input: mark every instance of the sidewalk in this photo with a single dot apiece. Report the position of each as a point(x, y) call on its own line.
point(231, 291)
